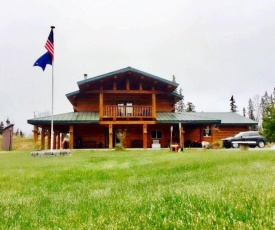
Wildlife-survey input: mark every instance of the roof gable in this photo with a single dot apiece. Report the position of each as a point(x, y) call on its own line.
point(125, 70)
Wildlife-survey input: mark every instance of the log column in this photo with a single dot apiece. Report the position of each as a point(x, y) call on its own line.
point(49, 139)
point(154, 105)
point(71, 141)
point(181, 135)
point(110, 136)
point(54, 139)
point(35, 133)
point(58, 140)
point(101, 105)
point(43, 138)
point(145, 136)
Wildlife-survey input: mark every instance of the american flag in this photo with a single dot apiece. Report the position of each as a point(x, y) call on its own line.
point(50, 45)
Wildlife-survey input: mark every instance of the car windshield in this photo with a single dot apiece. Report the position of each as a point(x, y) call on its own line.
point(240, 134)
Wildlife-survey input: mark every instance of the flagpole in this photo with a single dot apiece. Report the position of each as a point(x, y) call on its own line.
point(52, 132)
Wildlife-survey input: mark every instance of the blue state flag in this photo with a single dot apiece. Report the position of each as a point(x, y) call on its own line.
point(44, 60)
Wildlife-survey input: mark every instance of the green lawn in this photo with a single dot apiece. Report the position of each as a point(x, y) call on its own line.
point(196, 189)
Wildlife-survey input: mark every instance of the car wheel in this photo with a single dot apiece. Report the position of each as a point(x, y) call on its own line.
point(235, 145)
point(261, 144)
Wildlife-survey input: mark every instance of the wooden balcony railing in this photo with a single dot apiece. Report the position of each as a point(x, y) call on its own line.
point(135, 111)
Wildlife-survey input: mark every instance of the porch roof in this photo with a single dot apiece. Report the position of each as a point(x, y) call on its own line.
point(229, 118)
point(223, 118)
point(67, 118)
point(185, 118)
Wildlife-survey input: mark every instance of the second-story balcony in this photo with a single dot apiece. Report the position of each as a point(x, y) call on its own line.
point(126, 111)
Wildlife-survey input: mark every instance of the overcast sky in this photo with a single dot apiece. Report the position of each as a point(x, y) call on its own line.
point(215, 49)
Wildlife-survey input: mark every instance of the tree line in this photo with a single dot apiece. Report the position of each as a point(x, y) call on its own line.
point(260, 109)
point(2, 127)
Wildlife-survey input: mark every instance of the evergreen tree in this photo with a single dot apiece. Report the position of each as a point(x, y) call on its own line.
point(180, 106)
point(269, 123)
point(1, 127)
point(265, 102)
point(250, 110)
point(233, 107)
point(8, 121)
point(244, 111)
point(190, 107)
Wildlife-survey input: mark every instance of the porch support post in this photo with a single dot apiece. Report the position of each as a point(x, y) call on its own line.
point(181, 138)
point(213, 133)
point(100, 106)
point(35, 133)
point(58, 140)
point(153, 105)
point(110, 136)
point(62, 139)
point(71, 141)
point(43, 138)
point(49, 139)
point(54, 140)
point(145, 136)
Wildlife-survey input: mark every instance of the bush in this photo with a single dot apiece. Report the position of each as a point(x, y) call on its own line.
point(119, 147)
point(216, 144)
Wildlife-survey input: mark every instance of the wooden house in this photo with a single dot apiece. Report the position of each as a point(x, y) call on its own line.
point(139, 102)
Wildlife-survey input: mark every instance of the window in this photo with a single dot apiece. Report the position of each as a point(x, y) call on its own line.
point(207, 132)
point(125, 108)
point(121, 109)
point(156, 134)
point(129, 109)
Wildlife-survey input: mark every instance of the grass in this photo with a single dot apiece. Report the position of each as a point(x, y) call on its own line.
point(196, 189)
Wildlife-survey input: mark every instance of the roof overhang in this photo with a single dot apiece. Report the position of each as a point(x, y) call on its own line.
point(185, 118)
point(67, 119)
point(125, 70)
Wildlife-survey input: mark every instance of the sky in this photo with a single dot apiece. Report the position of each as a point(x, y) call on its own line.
point(215, 49)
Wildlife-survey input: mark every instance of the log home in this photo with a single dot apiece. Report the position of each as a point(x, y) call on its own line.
point(139, 102)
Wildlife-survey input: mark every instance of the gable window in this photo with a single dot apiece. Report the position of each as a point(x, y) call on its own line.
point(156, 134)
point(207, 132)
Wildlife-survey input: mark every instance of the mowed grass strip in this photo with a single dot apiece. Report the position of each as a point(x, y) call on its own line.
point(196, 189)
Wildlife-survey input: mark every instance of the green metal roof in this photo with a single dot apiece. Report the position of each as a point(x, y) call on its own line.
point(67, 118)
point(223, 118)
point(185, 118)
point(124, 71)
point(229, 118)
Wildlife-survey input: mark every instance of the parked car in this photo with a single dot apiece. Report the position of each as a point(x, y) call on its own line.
point(253, 138)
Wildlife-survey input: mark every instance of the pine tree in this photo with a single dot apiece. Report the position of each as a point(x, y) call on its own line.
point(233, 107)
point(250, 110)
point(1, 127)
point(190, 107)
point(244, 112)
point(265, 102)
point(180, 106)
point(269, 123)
